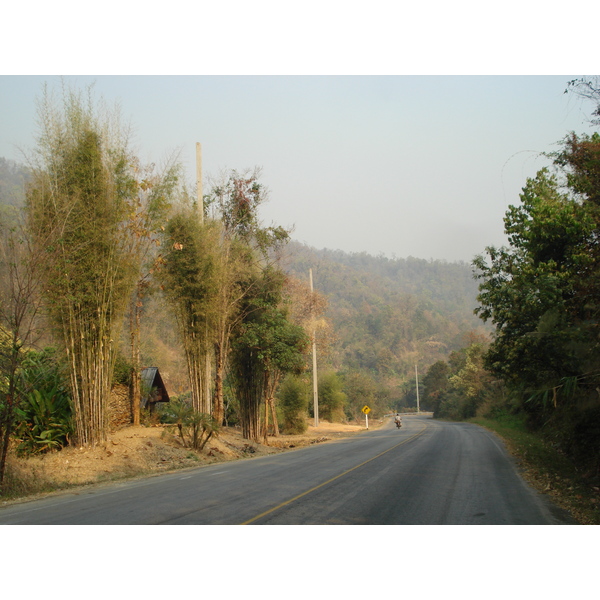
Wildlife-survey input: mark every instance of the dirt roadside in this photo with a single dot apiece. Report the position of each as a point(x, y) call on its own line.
point(132, 452)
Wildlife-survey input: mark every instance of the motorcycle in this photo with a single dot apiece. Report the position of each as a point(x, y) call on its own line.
point(398, 424)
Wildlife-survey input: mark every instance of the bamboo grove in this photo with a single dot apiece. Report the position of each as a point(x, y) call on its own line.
point(222, 280)
point(103, 231)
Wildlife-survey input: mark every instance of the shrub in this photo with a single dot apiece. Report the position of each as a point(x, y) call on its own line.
point(293, 401)
point(194, 428)
point(45, 414)
point(332, 399)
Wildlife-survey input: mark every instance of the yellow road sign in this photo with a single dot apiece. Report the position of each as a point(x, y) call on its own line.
point(366, 409)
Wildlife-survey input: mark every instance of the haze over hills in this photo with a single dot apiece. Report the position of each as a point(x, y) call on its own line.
point(388, 314)
point(12, 189)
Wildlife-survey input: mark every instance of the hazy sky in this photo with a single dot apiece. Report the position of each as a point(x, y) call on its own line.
point(401, 165)
point(377, 128)
point(421, 166)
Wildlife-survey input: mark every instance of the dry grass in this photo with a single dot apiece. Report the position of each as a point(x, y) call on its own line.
point(137, 451)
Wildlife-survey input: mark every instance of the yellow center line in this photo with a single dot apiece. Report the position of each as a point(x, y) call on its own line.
point(412, 437)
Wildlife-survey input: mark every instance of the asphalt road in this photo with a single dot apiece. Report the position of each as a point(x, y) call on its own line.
point(428, 472)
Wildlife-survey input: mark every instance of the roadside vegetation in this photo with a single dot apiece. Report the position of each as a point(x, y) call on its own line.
point(108, 265)
point(537, 380)
point(90, 238)
point(547, 469)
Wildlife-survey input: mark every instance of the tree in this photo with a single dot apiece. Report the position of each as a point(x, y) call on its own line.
point(530, 291)
point(243, 245)
point(332, 400)
point(461, 387)
point(156, 192)
point(79, 204)
point(294, 395)
point(361, 389)
point(235, 201)
point(20, 280)
point(233, 265)
point(587, 88)
point(190, 285)
point(267, 345)
point(212, 274)
point(282, 349)
point(435, 384)
point(471, 383)
point(542, 294)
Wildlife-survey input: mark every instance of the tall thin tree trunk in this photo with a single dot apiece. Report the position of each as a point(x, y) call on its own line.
point(218, 404)
point(266, 430)
point(6, 431)
point(135, 391)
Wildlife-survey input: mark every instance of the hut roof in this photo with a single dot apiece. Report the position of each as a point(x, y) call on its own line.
point(151, 381)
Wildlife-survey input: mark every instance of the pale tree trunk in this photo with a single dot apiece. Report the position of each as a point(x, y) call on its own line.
point(195, 371)
point(266, 425)
point(250, 411)
point(218, 404)
point(90, 358)
point(221, 350)
point(271, 383)
point(135, 391)
point(207, 399)
point(274, 413)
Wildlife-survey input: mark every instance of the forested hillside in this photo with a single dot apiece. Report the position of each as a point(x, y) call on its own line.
point(386, 315)
point(110, 266)
point(13, 177)
point(389, 315)
point(540, 293)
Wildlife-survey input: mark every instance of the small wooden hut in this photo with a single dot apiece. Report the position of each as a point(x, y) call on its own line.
point(153, 388)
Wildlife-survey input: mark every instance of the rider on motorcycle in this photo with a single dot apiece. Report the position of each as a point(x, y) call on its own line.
point(398, 420)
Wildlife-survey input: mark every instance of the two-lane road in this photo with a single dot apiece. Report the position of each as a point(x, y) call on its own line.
point(428, 472)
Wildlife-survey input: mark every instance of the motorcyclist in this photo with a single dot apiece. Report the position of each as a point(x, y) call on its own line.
point(398, 420)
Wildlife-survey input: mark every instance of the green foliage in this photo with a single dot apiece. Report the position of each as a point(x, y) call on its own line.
point(45, 422)
point(81, 202)
point(122, 370)
point(202, 428)
point(195, 429)
point(388, 314)
point(44, 417)
point(435, 384)
point(461, 387)
point(332, 400)
point(188, 274)
point(267, 345)
point(235, 202)
point(189, 279)
point(274, 340)
point(294, 396)
point(541, 293)
point(362, 388)
point(532, 292)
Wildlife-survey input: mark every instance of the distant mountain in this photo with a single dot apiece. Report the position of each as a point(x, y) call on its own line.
point(390, 314)
point(13, 178)
point(387, 314)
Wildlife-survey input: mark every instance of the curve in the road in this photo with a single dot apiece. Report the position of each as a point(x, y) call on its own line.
point(329, 481)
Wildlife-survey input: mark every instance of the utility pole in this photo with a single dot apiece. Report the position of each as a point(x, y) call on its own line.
point(417, 382)
point(205, 402)
point(314, 357)
point(199, 182)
